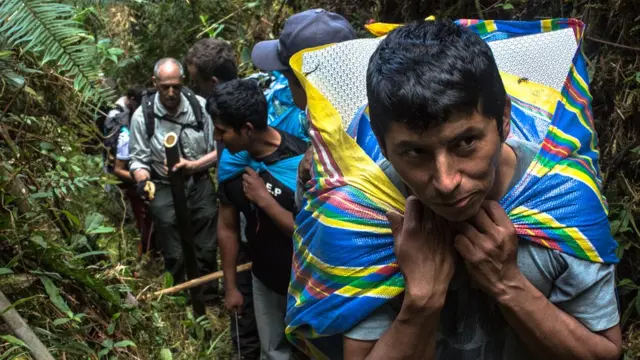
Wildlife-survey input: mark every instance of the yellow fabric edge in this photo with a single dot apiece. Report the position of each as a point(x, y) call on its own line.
point(379, 29)
point(355, 165)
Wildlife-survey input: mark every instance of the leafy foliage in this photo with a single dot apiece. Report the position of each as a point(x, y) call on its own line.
point(47, 28)
point(66, 238)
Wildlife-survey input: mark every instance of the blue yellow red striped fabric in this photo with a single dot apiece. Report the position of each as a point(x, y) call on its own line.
point(344, 266)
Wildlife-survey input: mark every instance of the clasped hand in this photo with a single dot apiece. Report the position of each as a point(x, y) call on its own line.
point(426, 245)
point(254, 187)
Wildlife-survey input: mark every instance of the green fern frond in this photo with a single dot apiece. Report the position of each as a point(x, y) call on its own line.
point(46, 28)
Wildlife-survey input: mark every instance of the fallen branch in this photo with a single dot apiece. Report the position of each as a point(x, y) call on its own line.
point(17, 324)
point(613, 44)
point(196, 282)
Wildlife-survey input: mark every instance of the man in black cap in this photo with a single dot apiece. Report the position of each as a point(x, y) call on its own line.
point(270, 281)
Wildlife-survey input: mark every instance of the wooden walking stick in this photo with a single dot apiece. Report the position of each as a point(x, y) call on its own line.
point(196, 282)
point(185, 228)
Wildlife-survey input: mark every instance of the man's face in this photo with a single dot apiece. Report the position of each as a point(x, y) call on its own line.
point(234, 141)
point(299, 96)
point(202, 87)
point(451, 167)
point(169, 84)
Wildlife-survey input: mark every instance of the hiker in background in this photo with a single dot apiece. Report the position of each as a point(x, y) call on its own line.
point(116, 142)
point(308, 29)
point(474, 289)
point(258, 182)
point(174, 108)
point(211, 62)
point(118, 117)
point(301, 31)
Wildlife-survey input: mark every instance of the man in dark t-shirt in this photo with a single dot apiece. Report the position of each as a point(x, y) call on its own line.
point(266, 199)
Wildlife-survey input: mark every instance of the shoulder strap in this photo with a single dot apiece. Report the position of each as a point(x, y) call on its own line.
point(195, 106)
point(148, 112)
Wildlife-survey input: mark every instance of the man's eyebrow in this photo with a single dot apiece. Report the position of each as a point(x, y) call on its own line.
point(409, 144)
point(469, 131)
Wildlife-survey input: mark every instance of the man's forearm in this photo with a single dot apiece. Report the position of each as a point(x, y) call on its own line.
point(280, 216)
point(120, 170)
point(206, 162)
point(123, 175)
point(228, 243)
point(412, 336)
point(548, 331)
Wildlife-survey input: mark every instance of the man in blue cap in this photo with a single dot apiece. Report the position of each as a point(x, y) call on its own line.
point(301, 31)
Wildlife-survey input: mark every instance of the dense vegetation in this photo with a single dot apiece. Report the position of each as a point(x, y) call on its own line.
point(67, 249)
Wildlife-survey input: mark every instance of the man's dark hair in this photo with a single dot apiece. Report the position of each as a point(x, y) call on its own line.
point(238, 102)
point(424, 72)
point(135, 93)
point(213, 57)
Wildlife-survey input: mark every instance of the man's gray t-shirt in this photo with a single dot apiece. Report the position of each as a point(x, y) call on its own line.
point(471, 324)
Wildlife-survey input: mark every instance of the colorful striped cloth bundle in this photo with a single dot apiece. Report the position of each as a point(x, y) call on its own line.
point(344, 266)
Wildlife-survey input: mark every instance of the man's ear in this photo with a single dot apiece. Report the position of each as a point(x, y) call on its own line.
point(248, 128)
point(214, 81)
point(153, 79)
point(506, 119)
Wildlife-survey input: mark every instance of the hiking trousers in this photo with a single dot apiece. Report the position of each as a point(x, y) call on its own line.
point(270, 309)
point(203, 211)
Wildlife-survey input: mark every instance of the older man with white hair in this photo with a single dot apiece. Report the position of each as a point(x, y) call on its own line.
point(174, 108)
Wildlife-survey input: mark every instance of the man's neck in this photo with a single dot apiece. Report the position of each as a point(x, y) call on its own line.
point(264, 143)
point(172, 111)
point(505, 171)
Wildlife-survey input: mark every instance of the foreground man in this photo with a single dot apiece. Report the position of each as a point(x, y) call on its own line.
point(442, 118)
point(239, 112)
point(174, 109)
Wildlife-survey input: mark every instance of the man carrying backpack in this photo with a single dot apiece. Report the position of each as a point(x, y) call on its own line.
point(116, 158)
point(117, 120)
point(174, 108)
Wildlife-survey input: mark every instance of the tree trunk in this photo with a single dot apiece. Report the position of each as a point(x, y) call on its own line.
point(23, 331)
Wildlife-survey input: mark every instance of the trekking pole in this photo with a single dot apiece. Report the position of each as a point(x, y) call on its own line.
point(185, 229)
point(235, 313)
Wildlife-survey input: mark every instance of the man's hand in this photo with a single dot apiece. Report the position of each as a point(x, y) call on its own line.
point(254, 188)
point(233, 300)
point(424, 248)
point(304, 169)
point(489, 245)
point(189, 166)
point(146, 190)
